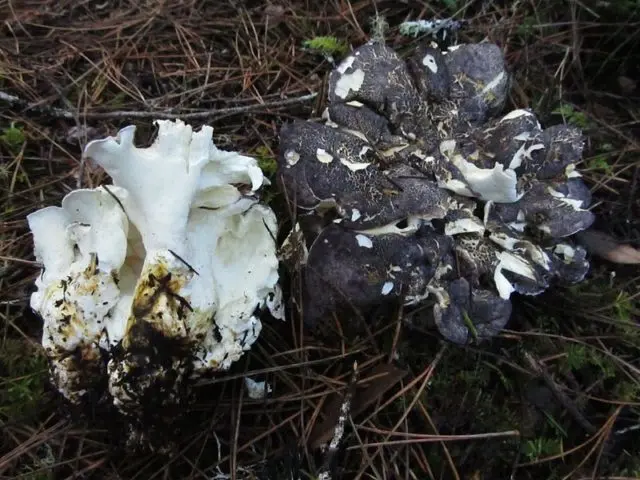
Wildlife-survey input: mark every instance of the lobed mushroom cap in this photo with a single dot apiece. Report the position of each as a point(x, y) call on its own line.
point(158, 279)
point(415, 153)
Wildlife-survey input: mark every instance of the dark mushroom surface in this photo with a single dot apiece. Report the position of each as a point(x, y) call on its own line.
point(418, 188)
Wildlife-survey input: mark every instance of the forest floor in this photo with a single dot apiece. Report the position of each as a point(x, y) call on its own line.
point(556, 395)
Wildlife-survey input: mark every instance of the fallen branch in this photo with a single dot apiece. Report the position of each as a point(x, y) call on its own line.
point(16, 102)
point(326, 472)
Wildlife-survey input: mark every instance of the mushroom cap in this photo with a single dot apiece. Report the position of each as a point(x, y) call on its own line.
point(430, 69)
point(335, 169)
point(484, 310)
point(159, 279)
point(415, 153)
point(356, 269)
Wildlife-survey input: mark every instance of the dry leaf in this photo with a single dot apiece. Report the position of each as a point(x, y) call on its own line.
point(627, 85)
point(377, 382)
point(605, 246)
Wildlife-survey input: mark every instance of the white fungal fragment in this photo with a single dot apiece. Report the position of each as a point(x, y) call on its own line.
point(257, 390)
point(487, 211)
point(387, 288)
point(348, 82)
point(565, 251)
point(537, 254)
point(346, 64)
point(496, 184)
point(354, 166)
point(355, 133)
point(292, 157)
point(512, 263)
point(430, 62)
point(364, 241)
point(513, 114)
point(495, 82)
point(294, 248)
point(524, 153)
point(274, 302)
point(502, 239)
point(323, 156)
point(177, 248)
point(456, 186)
point(571, 172)
point(441, 295)
point(464, 225)
point(573, 203)
point(327, 119)
point(523, 137)
point(390, 152)
point(517, 226)
point(363, 151)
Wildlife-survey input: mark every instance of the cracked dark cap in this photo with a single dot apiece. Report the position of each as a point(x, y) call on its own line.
point(427, 192)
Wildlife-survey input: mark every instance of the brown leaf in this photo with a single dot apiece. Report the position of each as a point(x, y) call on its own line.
point(379, 381)
point(274, 13)
point(627, 85)
point(605, 246)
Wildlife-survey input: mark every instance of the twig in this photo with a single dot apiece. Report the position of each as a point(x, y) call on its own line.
point(21, 260)
point(338, 431)
point(562, 398)
point(14, 101)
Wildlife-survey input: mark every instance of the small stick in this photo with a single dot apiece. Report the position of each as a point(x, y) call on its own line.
point(562, 398)
point(193, 270)
point(55, 112)
point(113, 195)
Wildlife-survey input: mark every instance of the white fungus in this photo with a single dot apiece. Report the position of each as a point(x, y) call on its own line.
point(348, 82)
point(430, 62)
point(257, 390)
point(179, 245)
point(386, 288)
point(354, 166)
point(323, 156)
point(292, 157)
point(364, 241)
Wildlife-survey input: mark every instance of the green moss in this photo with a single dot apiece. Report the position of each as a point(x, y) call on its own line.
point(572, 116)
point(526, 28)
point(13, 137)
point(626, 391)
point(580, 357)
point(541, 447)
point(577, 357)
point(269, 165)
point(23, 371)
point(327, 45)
point(266, 161)
point(600, 162)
